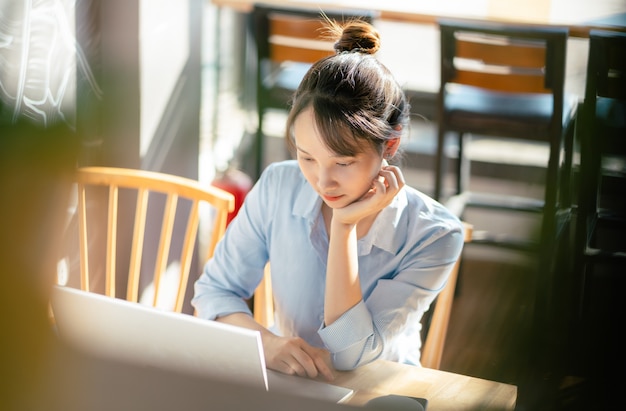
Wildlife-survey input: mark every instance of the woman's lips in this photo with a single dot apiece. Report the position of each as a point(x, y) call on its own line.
point(331, 198)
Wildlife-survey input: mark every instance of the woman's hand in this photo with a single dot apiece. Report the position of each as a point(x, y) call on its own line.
point(384, 188)
point(292, 356)
point(295, 357)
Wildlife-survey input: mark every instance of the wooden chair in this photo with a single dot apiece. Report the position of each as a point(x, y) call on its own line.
point(600, 228)
point(436, 320)
point(505, 81)
point(180, 198)
point(288, 41)
point(602, 137)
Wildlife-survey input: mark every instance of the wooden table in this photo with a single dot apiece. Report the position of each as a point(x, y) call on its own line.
point(443, 390)
point(579, 16)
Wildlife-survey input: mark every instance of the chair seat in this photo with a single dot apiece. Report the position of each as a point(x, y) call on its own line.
point(527, 115)
point(458, 203)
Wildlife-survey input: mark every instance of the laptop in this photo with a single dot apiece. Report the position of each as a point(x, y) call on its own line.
point(119, 329)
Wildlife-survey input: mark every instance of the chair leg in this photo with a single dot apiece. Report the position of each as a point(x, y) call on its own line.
point(549, 226)
point(440, 165)
point(568, 179)
point(552, 238)
point(259, 146)
point(463, 166)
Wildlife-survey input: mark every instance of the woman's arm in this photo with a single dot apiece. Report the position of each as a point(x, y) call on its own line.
point(356, 331)
point(343, 289)
point(237, 267)
point(400, 284)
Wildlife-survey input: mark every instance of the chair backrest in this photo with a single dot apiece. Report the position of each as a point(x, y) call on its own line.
point(605, 90)
point(295, 34)
point(603, 115)
point(602, 130)
point(432, 350)
point(606, 67)
point(503, 57)
point(143, 188)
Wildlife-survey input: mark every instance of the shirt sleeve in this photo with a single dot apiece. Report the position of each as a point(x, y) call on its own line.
point(236, 268)
point(388, 322)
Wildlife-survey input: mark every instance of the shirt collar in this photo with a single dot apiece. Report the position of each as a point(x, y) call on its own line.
point(307, 202)
point(382, 234)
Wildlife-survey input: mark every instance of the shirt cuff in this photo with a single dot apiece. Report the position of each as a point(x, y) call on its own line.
point(354, 326)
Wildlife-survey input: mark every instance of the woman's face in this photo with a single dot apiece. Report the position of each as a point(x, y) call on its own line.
point(338, 179)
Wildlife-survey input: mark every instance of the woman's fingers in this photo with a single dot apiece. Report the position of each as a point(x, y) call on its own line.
point(393, 178)
point(293, 367)
point(384, 187)
point(302, 364)
point(295, 357)
point(388, 183)
point(321, 360)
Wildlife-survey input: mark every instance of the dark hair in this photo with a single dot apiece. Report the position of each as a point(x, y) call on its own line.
point(354, 96)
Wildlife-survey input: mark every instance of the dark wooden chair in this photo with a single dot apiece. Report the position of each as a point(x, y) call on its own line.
point(507, 82)
point(602, 138)
point(288, 41)
point(600, 229)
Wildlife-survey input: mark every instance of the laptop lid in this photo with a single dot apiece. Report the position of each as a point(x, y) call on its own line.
point(119, 329)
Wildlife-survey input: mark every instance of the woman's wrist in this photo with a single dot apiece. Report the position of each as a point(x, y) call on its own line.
point(340, 227)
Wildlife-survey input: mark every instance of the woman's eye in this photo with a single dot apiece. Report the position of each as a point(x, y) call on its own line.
point(346, 164)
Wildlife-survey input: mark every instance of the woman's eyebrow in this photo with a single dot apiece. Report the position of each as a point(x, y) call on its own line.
point(331, 156)
point(301, 149)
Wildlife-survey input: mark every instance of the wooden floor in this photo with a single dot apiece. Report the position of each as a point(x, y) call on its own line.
point(489, 332)
point(491, 318)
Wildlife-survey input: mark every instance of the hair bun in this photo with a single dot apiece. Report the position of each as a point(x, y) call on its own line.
point(359, 36)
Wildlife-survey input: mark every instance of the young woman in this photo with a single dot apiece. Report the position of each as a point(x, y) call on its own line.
point(356, 256)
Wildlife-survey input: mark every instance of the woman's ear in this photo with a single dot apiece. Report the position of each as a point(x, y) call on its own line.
point(391, 147)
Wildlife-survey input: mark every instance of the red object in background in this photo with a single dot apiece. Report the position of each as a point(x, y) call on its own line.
point(237, 183)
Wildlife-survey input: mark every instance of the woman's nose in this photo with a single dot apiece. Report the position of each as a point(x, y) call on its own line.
point(325, 179)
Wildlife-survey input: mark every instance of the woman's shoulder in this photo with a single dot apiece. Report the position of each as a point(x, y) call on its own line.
point(422, 207)
point(285, 166)
point(283, 170)
point(282, 175)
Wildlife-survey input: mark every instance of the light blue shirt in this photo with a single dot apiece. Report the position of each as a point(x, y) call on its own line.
point(404, 261)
